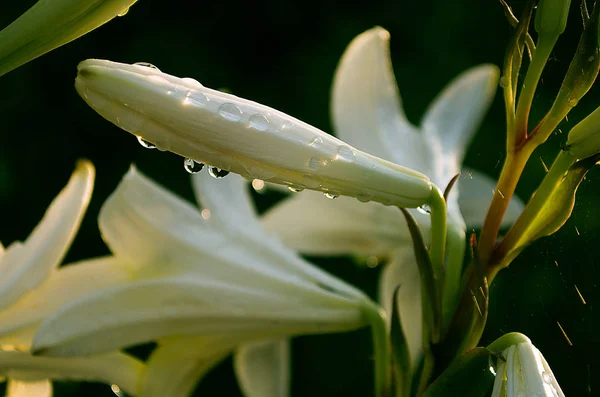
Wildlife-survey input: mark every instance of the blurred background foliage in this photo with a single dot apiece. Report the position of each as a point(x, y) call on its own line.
point(283, 54)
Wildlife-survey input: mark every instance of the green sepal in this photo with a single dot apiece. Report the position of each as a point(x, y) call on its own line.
point(468, 376)
point(400, 355)
point(556, 209)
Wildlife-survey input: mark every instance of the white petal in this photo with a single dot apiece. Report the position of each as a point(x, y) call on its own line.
point(25, 266)
point(176, 366)
point(146, 224)
point(312, 224)
point(476, 191)
point(241, 136)
point(366, 106)
point(19, 321)
point(454, 116)
point(228, 202)
point(40, 388)
point(263, 368)
point(499, 381)
point(117, 368)
point(403, 272)
point(186, 305)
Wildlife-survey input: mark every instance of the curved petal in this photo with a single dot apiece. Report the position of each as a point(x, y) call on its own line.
point(146, 224)
point(476, 191)
point(454, 116)
point(229, 202)
point(39, 388)
point(263, 368)
point(366, 105)
point(403, 272)
point(311, 224)
point(187, 305)
point(175, 367)
point(19, 321)
point(25, 266)
point(118, 368)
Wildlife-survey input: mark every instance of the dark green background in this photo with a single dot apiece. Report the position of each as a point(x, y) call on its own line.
point(283, 54)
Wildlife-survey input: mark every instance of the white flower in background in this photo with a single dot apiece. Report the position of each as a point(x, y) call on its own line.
point(241, 136)
point(525, 372)
point(212, 277)
point(32, 287)
point(367, 113)
point(52, 23)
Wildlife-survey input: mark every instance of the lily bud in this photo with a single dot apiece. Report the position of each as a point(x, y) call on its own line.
point(551, 17)
point(52, 23)
point(525, 372)
point(584, 138)
point(241, 136)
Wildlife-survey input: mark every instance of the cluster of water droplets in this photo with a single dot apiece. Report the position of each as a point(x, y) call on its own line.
point(424, 209)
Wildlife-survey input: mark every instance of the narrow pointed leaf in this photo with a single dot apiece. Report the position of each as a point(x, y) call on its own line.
point(400, 354)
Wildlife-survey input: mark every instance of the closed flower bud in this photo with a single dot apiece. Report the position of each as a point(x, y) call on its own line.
point(241, 136)
point(551, 16)
point(584, 138)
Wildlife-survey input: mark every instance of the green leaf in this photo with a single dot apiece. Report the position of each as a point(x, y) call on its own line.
point(431, 302)
point(468, 376)
point(400, 353)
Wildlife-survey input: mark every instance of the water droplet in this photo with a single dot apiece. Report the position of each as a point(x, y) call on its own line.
point(503, 81)
point(314, 163)
point(258, 184)
point(146, 144)
point(259, 122)
point(195, 98)
point(163, 146)
point(345, 153)
point(217, 173)
point(331, 195)
point(364, 197)
point(547, 377)
point(192, 166)
point(230, 112)
point(147, 65)
point(192, 81)
point(123, 13)
point(205, 213)
point(493, 370)
point(311, 182)
point(295, 188)
point(316, 142)
point(117, 391)
point(424, 209)
point(573, 102)
point(287, 125)
point(372, 261)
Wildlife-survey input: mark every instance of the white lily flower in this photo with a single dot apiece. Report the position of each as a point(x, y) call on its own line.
point(32, 287)
point(367, 113)
point(525, 372)
point(211, 274)
point(241, 136)
point(52, 23)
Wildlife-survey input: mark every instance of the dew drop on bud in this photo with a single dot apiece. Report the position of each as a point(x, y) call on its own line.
point(331, 196)
point(147, 65)
point(123, 13)
point(503, 82)
point(192, 166)
point(217, 173)
point(424, 209)
point(145, 144)
point(295, 189)
point(117, 391)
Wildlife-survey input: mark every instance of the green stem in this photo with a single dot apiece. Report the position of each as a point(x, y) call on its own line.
point(438, 231)
point(561, 165)
point(506, 341)
point(509, 177)
point(534, 72)
point(453, 272)
point(376, 318)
